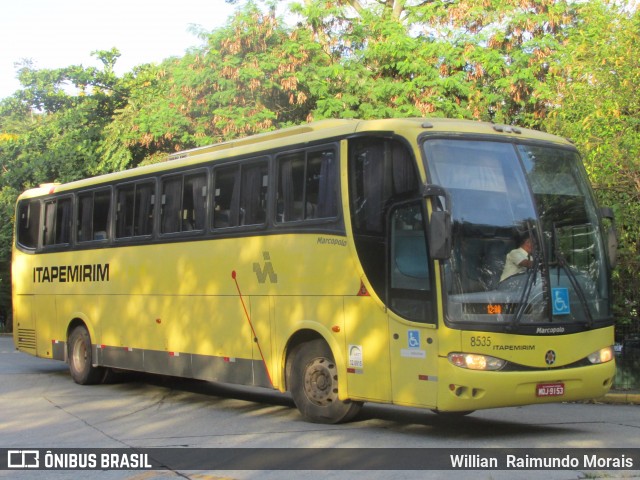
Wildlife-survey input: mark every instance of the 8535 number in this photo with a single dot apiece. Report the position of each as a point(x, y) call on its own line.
point(480, 341)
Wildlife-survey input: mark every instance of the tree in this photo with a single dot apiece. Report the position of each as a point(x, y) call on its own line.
point(599, 111)
point(251, 76)
point(479, 59)
point(51, 131)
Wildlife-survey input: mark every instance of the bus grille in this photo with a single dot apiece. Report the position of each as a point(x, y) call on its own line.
point(26, 339)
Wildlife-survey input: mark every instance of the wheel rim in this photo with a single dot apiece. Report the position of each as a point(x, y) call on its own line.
point(320, 382)
point(79, 355)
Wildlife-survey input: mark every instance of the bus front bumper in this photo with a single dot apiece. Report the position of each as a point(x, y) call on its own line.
point(463, 390)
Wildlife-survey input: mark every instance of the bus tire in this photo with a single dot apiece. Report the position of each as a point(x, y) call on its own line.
point(80, 362)
point(314, 385)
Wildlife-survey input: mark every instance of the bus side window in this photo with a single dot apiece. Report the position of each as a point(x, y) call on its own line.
point(124, 212)
point(183, 203)
point(143, 222)
point(322, 182)
point(101, 214)
point(240, 194)
point(28, 223)
point(170, 204)
point(57, 226)
point(194, 202)
point(253, 194)
point(93, 215)
point(307, 186)
point(134, 213)
point(227, 190)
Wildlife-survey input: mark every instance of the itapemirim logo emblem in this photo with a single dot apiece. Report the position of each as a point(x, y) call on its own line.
point(266, 271)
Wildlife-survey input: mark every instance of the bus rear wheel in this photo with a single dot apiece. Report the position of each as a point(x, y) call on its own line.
point(80, 360)
point(314, 385)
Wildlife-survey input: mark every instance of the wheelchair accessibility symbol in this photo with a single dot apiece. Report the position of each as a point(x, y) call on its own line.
point(560, 300)
point(414, 338)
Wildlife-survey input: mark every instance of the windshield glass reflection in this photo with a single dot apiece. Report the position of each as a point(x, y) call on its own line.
point(526, 246)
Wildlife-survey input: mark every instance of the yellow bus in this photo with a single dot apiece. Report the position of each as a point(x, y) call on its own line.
point(343, 261)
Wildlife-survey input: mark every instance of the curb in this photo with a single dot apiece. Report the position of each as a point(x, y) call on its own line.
point(621, 399)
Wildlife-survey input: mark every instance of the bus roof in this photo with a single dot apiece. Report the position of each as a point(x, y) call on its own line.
point(311, 132)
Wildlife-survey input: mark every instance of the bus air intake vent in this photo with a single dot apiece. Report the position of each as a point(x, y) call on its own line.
point(26, 339)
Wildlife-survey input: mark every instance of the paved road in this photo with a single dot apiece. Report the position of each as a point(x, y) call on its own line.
point(41, 407)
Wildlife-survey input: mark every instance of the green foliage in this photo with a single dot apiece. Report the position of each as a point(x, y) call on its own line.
point(601, 112)
point(478, 59)
point(251, 76)
point(51, 130)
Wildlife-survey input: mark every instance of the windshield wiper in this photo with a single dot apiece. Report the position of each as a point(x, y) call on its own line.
point(529, 282)
point(562, 261)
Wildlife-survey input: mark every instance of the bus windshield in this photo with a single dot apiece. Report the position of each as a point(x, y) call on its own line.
point(527, 249)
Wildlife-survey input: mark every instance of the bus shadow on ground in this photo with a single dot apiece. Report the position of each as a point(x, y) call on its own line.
point(402, 419)
point(447, 426)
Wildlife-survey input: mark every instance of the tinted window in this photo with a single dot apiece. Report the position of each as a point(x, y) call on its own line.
point(135, 206)
point(307, 185)
point(183, 203)
point(57, 227)
point(240, 194)
point(94, 210)
point(409, 293)
point(380, 170)
point(28, 223)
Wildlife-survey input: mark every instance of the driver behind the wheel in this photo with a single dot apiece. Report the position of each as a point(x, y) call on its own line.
point(518, 259)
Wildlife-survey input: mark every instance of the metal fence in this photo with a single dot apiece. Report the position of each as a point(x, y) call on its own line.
point(627, 348)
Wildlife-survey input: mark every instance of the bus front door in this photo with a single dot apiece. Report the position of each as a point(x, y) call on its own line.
point(411, 306)
point(414, 355)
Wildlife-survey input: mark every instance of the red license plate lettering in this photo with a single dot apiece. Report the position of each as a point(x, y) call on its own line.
point(550, 390)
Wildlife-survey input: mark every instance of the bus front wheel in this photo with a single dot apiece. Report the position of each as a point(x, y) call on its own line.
point(80, 361)
point(314, 385)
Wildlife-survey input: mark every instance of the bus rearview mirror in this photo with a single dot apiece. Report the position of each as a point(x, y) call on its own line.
point(440, 235)
point(440, 222)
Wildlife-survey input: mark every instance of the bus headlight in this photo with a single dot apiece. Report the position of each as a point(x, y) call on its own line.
point(474, 361)
point(601, 356)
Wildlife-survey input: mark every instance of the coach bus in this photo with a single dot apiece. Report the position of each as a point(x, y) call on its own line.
point(342, 261)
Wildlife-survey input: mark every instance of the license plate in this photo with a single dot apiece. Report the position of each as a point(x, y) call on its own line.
point(550, 390)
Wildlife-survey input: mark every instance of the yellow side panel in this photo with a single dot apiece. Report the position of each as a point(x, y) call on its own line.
point(205, 326)
point(262, 344)
point(367, 350)
point(414, 363)
point(34, 323)
point(130, 322)
point(299, 313)
point(24, 325)
point(43, 307)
